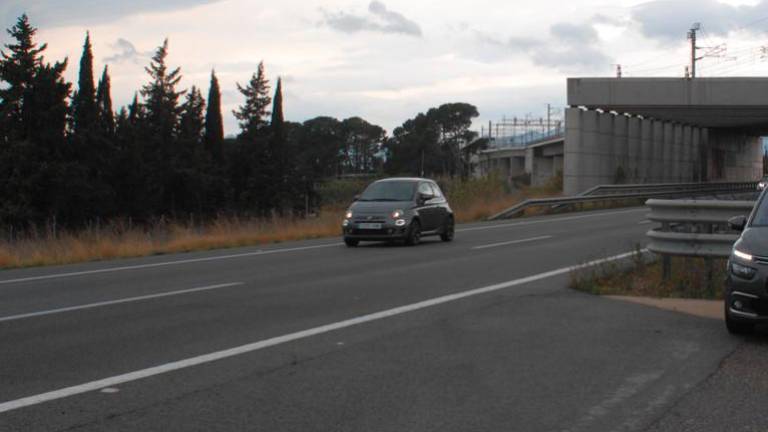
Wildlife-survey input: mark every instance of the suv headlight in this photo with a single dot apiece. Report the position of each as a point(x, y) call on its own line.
point(397, 214)
point(742, 271)
point(348, 214)
point(741, 255)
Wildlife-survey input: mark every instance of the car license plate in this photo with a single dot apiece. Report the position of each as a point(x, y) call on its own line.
point(370, 226)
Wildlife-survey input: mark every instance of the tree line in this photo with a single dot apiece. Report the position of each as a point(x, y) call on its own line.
point(66, 155)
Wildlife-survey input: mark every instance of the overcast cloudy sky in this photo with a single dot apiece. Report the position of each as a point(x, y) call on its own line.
point(387, 60)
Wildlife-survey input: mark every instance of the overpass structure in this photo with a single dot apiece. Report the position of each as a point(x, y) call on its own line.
point(664, 130)
point(648, 130)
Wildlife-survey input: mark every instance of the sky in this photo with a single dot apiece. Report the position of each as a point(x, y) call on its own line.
point(388, 60)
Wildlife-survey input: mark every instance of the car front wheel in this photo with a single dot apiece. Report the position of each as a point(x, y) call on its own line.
point(414, 234)
point(351, 242)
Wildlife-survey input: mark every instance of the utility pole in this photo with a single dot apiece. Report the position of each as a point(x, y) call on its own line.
point(692, 37)
point(549, 116)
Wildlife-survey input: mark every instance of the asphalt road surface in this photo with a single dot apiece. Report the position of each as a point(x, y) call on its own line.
point(480, 334)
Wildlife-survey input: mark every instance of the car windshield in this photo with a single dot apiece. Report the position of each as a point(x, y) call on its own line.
point(761, 214)
point(389, 191)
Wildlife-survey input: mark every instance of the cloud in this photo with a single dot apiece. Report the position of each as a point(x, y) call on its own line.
point(569, 48)
point(57, 13)
point(668, 20)
point(125, 51)
point(379, 19)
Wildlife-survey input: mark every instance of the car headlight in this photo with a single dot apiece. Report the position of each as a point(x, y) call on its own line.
point(741, 255)
point(397, 214)
point(742, 271)
point(348, 214)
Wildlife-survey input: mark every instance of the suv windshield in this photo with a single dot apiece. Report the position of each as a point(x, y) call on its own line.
point(761, 214)
point(389, 191)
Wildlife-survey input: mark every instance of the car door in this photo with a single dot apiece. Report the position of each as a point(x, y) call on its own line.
point(440, 207)
point(427, 208)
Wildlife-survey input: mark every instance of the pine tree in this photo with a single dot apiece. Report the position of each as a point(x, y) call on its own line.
point(104, 105)
point(161, 97)
point(188, 169)
point(191, 124)
point(214, 125)
point(18, 66)
point(253, 114)
point(84, 102)
point(160, 125)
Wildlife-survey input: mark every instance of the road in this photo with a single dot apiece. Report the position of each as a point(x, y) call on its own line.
point(479, 334)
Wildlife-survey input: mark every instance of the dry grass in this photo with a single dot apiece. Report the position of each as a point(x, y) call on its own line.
point(472, 200)
point(689, 279)
point(115, 241)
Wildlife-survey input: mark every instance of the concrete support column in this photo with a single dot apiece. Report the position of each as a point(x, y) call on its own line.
point(668, 150)
point(687, 160)
point(634, 150)
point(606, 151)
point(696, 154)
point(574, 146)
point(530, 163)
point(620, 146)
point(676, 159)
point(646, 150)
point(657, 165)
point(706, 173)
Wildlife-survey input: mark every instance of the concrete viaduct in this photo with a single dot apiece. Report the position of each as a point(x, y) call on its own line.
point(649, 130)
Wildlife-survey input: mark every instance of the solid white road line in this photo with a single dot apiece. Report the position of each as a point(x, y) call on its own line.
point(295, 249)
point(562, 219)
point(513, 242)
point(244, 349)
point(645, 222)
point(114, 302)
point(167, 263)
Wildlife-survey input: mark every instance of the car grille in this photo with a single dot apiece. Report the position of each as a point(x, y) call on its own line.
point(760, 306)
point(761, 260)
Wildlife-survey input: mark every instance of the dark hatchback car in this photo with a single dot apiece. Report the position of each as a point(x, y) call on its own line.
point(746, 288)
point(398, 209)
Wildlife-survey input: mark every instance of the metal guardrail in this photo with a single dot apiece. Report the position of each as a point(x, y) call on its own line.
point(625, 192)
point(655, 187)
point(694, 228)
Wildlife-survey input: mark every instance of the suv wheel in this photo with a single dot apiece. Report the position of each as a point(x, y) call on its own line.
point(351, 242)
point(737, 327)
point(449, 230)
point(414, 234)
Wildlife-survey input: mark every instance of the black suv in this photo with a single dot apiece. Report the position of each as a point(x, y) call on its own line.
point(746, 291)
point(398, 209)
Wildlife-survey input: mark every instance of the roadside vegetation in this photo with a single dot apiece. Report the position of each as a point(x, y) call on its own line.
point(691, 278)
point(473, 200)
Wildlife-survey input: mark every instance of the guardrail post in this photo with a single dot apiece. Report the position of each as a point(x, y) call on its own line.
point(666, 260)
point(709, 264)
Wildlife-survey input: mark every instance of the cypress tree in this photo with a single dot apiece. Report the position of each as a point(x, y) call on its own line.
point(214, 125)
point(104, 105)
point(278, 166)
point(84, 102)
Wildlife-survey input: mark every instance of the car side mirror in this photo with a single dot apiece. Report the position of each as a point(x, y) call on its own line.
point(737, 223)
point(423, 197)
point(356, 197)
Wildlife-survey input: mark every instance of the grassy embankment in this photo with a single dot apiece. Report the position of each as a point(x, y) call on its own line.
point(690, 278)
point(472, 200)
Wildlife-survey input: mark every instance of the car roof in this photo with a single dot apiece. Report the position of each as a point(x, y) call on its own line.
point(409, 179)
